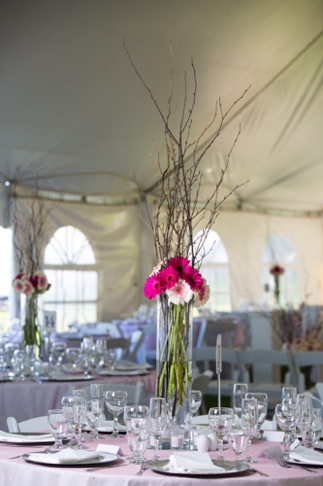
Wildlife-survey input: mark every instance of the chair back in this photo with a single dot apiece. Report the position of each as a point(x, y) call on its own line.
point(304, 359)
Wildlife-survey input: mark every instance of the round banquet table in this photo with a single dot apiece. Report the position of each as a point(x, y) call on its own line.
point(17, 472)
point(27, 399)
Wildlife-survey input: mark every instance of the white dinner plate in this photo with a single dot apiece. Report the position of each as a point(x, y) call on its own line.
point(230, 467)
point(44, 458)
point(129, 365)
point(200, 420)
point(31, 438)
point(123, 372)
point(67, 377)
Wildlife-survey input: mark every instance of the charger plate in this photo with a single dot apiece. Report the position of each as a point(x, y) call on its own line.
point(103, 459)
point(230, 467)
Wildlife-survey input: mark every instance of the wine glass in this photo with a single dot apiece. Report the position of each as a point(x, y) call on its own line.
point(311, 428)
point(238, 437)
point(79, 418)
point(262, 404)
point(239, 392)
point(289, 393)
point(196, 400)
point(285, 415)
point(158, 420)
point(58, 349)
point(97, 405)
point(67, 403)
point(73, 354)
point(115, 402)
point(220, 420)
point(138, 432)
point(134, 412)
point(249, 415)
point(58, 425)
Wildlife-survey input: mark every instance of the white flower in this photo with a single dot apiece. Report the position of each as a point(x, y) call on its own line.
point(180, 293)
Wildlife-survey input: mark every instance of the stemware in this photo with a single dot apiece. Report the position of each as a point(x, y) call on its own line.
point(220, 420)
point(285, 415)
point(310, 426)
point(79, 418)
point(158, 420)
point(97, 405)
point(196, 400)
point(134, 412)
point(289, 393)
point(238, 437)
point(239, 392)
point(67, 403)
point(262, 404)
point(249, 415)
point(115, 402)
point(58, 349)
point(138, 436)
point(57, 422)
point(73, 354)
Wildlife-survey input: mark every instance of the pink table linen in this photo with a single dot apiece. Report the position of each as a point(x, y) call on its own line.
point(16, 472)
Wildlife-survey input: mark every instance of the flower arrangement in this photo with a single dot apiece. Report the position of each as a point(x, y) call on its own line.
point(177, 212)
point(276, 270)
point(31, 284)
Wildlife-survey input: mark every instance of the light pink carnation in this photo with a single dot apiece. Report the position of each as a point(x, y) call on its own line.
point(180, 293)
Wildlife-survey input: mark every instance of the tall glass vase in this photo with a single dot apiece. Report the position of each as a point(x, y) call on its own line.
point(174, 366)
point(30, 328)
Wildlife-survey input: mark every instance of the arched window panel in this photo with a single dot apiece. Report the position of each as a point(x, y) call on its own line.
point(215, 269)
point(69, 246)
point(6, 276)
point(279, 250)
point(71, 270)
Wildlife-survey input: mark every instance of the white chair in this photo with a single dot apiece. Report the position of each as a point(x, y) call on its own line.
point(319, 390)
point(205, 356)
point(253, 359)
point(37, 424)
point(136, 341)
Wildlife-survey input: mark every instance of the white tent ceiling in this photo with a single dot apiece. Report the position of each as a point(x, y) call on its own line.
point(74, 116)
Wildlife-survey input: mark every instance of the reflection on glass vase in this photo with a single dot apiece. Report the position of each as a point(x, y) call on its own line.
point(174, 367)
point(31, 335)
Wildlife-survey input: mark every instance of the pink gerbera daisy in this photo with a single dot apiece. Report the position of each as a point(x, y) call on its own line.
point(168, 277)
point(180, 293)
point(181, 265)
point(152, 287)
point(194, 279)
point(19, 285)
point(29, 288)
point(42, 281)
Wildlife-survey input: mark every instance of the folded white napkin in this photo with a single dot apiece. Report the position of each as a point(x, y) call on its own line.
point(306, 456)
point(24, 438)
point(65, 456)
point(193, 462)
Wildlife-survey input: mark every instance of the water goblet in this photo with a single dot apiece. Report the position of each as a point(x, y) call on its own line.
point(67, 403)
point(73, 354)
point(303, 407)
point(97, 405)
point(310, 426)
point(58, 423)
point(138, 432)
point(158, 421)
point(196, 400)
point(239, 392)
point(285, 415)
point(249, 415)
point(220, 420)
point(115, 402)
point(238, 437)
point(134, 412)
point(262, 404)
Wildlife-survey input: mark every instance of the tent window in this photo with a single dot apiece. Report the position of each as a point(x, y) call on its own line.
point(215, 269)
point(6, 276)
point(278, 249)
point(70, 265)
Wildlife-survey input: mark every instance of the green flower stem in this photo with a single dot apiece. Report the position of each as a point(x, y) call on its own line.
point(175, 367)
point(31, 331)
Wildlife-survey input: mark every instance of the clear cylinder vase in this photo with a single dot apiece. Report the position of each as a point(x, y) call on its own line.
point(174, 367)
point(31, 335)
